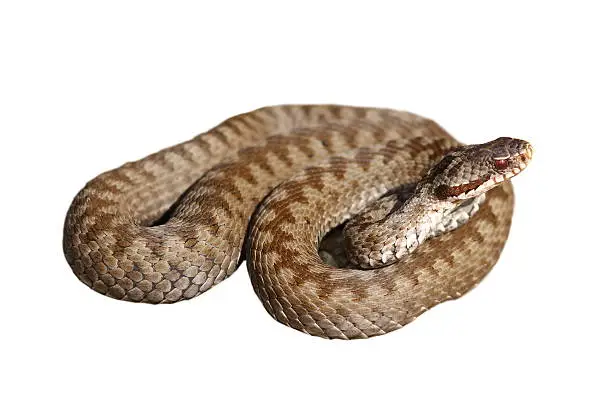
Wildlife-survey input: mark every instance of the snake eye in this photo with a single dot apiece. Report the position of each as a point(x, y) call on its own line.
point(501, 164)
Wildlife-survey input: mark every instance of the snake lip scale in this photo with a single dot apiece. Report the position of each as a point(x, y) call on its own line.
point(352, 221)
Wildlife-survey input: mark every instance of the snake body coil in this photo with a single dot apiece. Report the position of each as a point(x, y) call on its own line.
point(270, 185)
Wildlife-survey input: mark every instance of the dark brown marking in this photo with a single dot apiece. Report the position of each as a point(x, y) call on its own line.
point(443, 192)
point(221, 136)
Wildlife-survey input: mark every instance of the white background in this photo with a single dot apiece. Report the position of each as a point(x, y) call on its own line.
point(84, 88)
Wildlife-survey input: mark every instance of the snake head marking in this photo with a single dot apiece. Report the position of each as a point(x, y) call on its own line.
point(469, 171)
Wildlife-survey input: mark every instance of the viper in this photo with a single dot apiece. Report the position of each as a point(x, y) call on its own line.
point(352, 221)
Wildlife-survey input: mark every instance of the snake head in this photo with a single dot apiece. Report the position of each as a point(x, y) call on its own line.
point(471, 170)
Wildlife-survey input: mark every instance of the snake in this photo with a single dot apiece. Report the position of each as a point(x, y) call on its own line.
point(353, 221)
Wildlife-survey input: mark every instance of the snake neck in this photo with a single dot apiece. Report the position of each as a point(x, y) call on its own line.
point(398, 224)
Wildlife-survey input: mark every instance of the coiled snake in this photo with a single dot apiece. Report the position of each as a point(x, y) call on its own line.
point(275, 186)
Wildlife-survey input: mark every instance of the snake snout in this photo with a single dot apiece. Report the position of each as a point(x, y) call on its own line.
point(510, 157)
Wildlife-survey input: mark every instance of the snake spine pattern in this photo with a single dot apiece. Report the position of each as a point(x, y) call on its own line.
point(353, 221)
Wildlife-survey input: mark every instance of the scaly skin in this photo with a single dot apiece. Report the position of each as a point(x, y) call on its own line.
point(170, 226)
